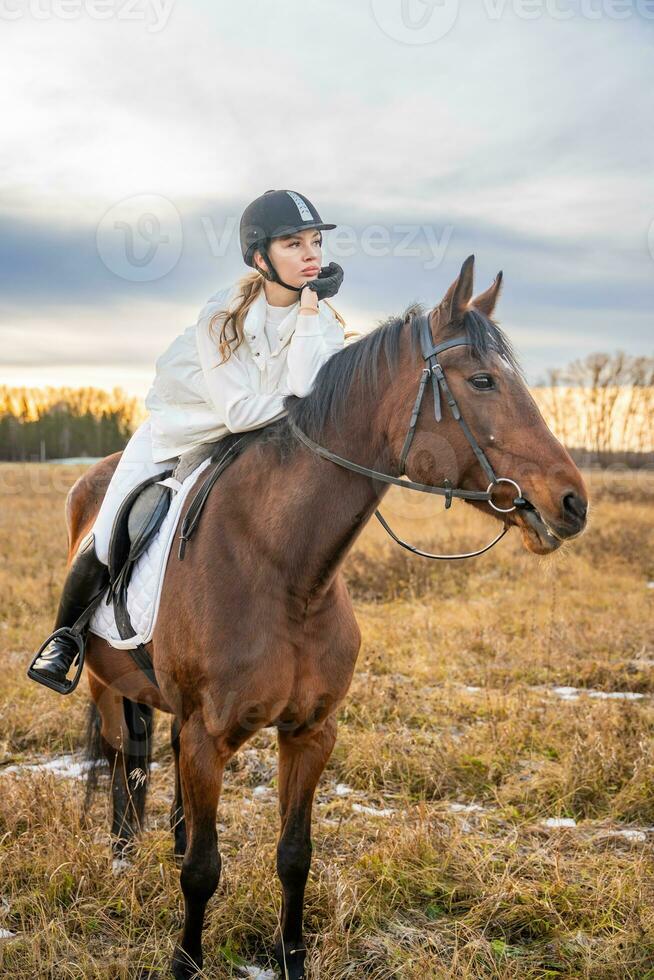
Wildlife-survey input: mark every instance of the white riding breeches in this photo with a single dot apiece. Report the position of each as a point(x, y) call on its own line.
point(134, 466)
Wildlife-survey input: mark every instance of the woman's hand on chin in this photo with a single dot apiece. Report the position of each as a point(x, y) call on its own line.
point(308, 302)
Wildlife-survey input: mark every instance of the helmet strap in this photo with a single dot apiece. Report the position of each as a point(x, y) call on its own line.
point(272, 272)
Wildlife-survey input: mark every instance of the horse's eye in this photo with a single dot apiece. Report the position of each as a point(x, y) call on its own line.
point(482, 382)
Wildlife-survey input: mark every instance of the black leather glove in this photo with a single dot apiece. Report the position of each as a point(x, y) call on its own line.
point(328, 281)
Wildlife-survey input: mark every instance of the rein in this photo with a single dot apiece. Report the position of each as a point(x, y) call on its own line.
point(430, 352)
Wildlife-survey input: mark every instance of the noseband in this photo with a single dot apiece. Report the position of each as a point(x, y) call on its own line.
point(430, 352)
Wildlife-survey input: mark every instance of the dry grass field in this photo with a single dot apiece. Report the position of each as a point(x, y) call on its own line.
point(488, 810)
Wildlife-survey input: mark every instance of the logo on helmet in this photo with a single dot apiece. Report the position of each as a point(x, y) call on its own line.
point(301, 205)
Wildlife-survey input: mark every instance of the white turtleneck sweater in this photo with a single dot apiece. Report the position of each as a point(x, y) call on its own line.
point(275, 316)
point(194, 398)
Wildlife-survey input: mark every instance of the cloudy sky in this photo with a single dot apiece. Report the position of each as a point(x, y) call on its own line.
point(134, 132)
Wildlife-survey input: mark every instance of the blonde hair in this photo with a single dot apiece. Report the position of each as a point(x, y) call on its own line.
point(231, 333)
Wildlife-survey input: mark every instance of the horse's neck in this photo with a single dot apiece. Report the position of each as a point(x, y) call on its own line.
point(337, 502)
point(326, 506)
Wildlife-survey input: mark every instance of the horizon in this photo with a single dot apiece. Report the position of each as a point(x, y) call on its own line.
point(499, 133)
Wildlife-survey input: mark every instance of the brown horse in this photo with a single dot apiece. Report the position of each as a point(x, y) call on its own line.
point(256, 628)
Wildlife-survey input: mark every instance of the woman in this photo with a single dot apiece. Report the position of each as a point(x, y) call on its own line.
point(254, 343)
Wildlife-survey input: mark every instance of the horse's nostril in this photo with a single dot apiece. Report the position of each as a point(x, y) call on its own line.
point(575, 506)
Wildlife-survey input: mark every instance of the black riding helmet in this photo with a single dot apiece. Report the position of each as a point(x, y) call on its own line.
point(272, 215)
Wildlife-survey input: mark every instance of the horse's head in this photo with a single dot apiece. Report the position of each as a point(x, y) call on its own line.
point(494, 401)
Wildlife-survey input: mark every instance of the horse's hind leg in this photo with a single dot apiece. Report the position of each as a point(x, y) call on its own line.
point(202, 762)
point(177, 822)
point(302, 759)
point(126, 740)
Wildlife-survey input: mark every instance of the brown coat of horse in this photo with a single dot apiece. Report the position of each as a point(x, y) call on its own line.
point(256, 627)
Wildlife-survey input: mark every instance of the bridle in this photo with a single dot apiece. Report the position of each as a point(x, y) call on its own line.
point(430, 352)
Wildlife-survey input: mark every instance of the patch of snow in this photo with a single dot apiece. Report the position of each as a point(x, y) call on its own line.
point(342, 789)
point(67, 766)
point(629, 834)
point(559, 822)
point(7, 934)
point(574, 693)
point(616, 695)
point(640, 834)
point(257, 973)
point(566, 693)
point(372, 811)
point(118, 865)
point(261, 791)
point(465, 808)
point(650, 585)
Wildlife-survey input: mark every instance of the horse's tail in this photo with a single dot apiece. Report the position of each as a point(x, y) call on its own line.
point(139, 718)
point(138, 751)
point(93, 751)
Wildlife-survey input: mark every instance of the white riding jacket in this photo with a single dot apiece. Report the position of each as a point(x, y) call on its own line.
point(195, 399)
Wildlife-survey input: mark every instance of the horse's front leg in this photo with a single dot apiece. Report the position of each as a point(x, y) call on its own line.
point(202, 763)
point(302, 759)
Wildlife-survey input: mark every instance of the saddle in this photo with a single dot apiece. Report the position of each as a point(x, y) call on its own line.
point(141, 514)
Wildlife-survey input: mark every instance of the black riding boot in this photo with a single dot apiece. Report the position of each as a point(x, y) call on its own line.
point(87, 579)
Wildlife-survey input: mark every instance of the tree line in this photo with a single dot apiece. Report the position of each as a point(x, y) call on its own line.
point(40, 424)
point(602, 404)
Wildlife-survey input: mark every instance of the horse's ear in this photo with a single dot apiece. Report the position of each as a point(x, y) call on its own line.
point(486, 301)
point(458, 295)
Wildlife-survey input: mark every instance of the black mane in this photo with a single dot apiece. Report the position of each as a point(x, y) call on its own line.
point(354, 371)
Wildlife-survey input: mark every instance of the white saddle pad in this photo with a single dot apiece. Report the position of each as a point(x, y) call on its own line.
point(144, 590)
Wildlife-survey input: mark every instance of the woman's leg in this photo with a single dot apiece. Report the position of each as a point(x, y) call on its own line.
point(134, 466)
point(88, 574)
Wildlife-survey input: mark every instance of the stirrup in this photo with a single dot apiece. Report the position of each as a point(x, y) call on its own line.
point(67, 686)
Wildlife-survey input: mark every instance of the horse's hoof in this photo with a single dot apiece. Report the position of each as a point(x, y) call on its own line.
point(183, 967)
